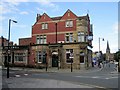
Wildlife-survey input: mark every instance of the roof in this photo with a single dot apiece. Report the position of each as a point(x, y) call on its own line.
point(56, 18)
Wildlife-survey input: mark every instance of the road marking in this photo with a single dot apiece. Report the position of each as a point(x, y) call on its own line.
point(96, 77)
point(17, 75)
point(26, 74)
point(107, 78)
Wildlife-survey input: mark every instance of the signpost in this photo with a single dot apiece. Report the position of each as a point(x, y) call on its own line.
point(71, 58)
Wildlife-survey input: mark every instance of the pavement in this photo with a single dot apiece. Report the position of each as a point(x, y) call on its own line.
point(50, 70)
point(40, 83)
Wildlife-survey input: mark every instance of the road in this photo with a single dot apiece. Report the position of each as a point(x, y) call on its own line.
point(104, 78)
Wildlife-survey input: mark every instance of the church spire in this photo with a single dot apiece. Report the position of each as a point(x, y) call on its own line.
point(108, 48)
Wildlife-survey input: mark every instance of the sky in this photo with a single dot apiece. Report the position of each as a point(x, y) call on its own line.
point(103, 16)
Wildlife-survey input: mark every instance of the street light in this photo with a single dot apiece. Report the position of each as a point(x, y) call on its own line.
point(99, 42)
point(8, 46)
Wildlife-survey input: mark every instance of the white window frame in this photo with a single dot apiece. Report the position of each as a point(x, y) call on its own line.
point(44, 39)
point(44, 25)
point(37, 40)
point(18, 55)
point(41, 39)
point(71, 37)
point(38, 56)
point(69, 23)
point(81, 37)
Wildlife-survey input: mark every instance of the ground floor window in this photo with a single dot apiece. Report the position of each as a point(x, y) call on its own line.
point(20, 57)
point(69, 55)
point(41, 57)
point(81, 59)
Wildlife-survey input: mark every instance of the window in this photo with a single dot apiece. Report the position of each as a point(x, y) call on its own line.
point(81, 37)
point(69, 37)
point(44, 39)
point(81, 59)
point(41, 57)
point(69, 23)
point(37, 40)
point(38, 57)
point(41, 39)
point(20, 57)
point(69, 55)
point(44, 26)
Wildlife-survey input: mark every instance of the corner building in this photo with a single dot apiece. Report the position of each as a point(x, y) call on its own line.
point(63, 40)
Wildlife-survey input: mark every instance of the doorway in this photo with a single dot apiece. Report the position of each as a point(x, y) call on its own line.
point(54, 60)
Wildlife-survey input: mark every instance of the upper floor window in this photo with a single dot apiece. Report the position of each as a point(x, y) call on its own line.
point(69, 23)
point(44, 25)
point(69, 37)
point(41, 39)
point(81, 37)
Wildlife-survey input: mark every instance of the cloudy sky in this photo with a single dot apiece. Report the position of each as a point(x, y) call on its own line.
point(103, 16)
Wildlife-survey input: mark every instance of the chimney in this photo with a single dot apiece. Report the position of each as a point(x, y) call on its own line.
point(38, 16)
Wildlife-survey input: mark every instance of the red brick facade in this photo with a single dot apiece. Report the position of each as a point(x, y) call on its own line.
point(24, 41)
point(51, 31)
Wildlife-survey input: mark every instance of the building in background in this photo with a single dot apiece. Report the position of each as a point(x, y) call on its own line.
point(109, 56)
point(18, 53)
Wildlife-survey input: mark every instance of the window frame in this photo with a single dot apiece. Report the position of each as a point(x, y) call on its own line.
point(44, 26)
point(18, 56)
point(69, 23)
point(81, 37)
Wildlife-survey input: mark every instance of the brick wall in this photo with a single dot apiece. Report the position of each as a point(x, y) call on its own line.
point(24, 41)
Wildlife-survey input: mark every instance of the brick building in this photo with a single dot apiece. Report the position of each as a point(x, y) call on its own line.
point(56, 42)
point(18, 53)
point(64, 39)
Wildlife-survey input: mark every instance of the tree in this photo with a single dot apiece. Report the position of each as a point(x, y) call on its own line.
point(117, 56)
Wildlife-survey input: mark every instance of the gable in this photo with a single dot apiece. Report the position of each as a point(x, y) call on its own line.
point(44, 18)
point(69, 15)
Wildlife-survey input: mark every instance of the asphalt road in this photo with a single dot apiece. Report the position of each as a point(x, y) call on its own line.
point(105, 78)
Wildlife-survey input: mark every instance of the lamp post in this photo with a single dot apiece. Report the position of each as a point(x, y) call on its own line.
point(99, 42)
point(99, 52)
point(8, 59)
